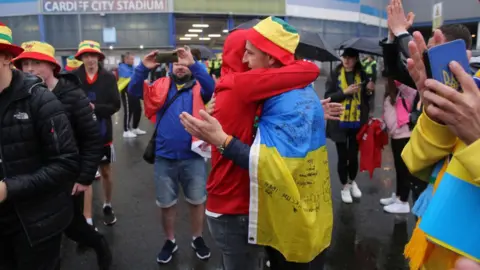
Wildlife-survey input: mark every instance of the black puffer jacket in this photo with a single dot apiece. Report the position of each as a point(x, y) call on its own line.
point(39, 157)
point(84, 124)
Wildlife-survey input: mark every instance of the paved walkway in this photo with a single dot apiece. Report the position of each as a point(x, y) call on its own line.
point(364, 237)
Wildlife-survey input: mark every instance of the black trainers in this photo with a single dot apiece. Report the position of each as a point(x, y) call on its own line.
point(201, 249)
point(166, 254)
point(109, 217)
point(83, 248)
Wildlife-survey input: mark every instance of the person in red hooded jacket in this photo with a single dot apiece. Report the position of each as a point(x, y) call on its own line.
point(239, 95)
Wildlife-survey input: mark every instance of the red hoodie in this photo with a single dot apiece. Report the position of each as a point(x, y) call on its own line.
point(238, 94)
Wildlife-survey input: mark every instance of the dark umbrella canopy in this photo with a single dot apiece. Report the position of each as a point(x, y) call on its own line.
point(205, 52)
point(312, 45)
point(246, 25)
point(363, 45)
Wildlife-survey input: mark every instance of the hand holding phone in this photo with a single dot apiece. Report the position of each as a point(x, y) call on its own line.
point(149, 61)
point(438, 58)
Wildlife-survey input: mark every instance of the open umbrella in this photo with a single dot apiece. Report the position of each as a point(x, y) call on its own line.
point(312, 45)
point(205, 52)
point(246, 25)
point(363, 45)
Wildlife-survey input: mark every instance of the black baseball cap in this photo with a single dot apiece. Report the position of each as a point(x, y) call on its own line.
point(349, 52)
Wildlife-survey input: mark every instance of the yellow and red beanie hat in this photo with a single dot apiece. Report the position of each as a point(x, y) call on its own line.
point(37, 50)
point(89, 46)
point(6, 41)
point(72, 63)
point(275, 37)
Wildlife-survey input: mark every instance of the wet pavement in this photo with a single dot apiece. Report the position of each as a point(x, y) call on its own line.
point(364, 237)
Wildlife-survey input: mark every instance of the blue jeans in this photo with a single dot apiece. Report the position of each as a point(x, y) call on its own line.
point(189, 173)
point(230, 233)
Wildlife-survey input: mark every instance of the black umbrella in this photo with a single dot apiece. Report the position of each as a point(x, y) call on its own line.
point(312, 45)
point(363, 45)
point(205, 52)
point(246, 25)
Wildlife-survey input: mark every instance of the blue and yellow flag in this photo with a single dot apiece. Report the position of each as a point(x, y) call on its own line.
point(290, 195)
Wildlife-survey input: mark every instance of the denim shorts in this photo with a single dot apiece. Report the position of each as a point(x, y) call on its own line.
point(189, 173)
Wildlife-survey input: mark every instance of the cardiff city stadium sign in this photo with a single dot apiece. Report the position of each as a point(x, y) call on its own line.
point(104, 6)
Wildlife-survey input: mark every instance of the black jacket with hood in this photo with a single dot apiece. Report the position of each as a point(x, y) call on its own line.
point(84, 125)
point(39, 157)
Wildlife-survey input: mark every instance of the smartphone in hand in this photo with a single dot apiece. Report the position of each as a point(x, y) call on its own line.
point(438, 58)
point(166, 57)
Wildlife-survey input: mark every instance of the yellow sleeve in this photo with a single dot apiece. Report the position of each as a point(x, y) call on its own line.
point(428, 143)
point(469, 157)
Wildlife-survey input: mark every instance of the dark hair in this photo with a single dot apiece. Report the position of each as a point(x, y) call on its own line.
point(457, 31)
point(391, 90)
point(357, 68)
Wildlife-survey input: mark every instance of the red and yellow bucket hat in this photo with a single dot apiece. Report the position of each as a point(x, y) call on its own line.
point(89, 46)
point(37, 50)
point(6, 41)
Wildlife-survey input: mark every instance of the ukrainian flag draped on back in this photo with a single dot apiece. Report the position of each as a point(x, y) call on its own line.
point(290, 196)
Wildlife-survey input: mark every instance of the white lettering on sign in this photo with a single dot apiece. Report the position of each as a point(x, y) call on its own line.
point(103, 6)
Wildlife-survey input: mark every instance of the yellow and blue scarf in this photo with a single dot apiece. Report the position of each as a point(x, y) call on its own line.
point(448, 223)
point(350, 117)
point(290, 179)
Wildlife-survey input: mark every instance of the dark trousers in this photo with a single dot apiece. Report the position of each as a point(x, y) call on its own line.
point(132, 110)
point(405, 180)
point(347, 152)
point(16, 253)
point(79, 230)
point(278, 262)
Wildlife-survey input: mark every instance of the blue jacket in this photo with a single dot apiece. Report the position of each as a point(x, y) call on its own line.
point(173, 141)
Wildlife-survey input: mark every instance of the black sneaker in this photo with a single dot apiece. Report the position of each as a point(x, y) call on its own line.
point(109, 216)
point(201, 249)
point(166, 254)
point(81, 248)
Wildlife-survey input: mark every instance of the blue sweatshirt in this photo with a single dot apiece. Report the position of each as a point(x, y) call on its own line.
point(173, 141)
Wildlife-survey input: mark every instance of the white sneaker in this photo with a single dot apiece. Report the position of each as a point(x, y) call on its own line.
point(138, 131)
point(97, 175)
point(129, 134)
point(356, 193)
point(391, 200)
point(346, 195)
point(397, 208)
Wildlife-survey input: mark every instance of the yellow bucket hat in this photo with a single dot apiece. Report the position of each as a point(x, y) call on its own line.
point(37, 50)
point(6, 41)
point(89, 46)
point(72, 63)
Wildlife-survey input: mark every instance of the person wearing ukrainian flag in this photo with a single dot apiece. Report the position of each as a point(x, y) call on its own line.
point(132, 109)
point(288, 161)
point(39, 158)
point(444, 149)
point(38, 58)
point(72, 63)
point(101, 88)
